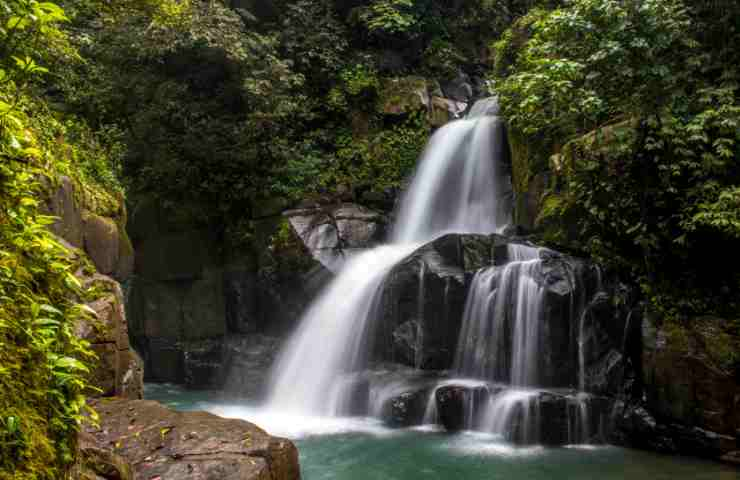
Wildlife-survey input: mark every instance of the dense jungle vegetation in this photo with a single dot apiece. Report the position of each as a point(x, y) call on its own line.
point(638, 102)
point(630, 106)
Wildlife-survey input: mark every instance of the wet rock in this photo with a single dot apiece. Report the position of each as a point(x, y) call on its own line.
point(682, 382)
point(248, 362)
point(161, 443)
point(241, 301)
point(203, 364)
point(458, 406)
point(408, 342)
point(163, 359)
point(687, 403)
point(458, 89)
point(406, 409)
point(451, 407)
point(606, 375)
point(554, 415)
point(636, 426)
point(421, 307)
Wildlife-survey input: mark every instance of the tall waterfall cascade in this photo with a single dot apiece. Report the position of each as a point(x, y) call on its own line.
point(461, 186)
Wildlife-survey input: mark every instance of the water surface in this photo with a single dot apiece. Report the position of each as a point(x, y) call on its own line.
point(363, 449)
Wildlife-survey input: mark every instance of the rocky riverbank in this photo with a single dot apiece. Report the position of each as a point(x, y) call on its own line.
point(139, 439)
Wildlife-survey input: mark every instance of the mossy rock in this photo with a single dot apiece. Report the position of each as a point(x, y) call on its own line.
point(402, 95)
point(686, 374)
point(604, 141)
point(101, 239)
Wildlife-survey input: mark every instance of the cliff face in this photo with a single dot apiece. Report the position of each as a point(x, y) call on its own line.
point(93, 227)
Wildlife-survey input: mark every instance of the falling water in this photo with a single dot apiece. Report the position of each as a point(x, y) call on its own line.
point(579, 419)
point(453, 190)
point(330, 339)
point(419, 347)
point(512, 414)
point(458, 187)
point(501, 299)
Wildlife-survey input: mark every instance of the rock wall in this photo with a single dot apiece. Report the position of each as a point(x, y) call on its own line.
point(684, 399)
point(92, 225)
point(201, 309)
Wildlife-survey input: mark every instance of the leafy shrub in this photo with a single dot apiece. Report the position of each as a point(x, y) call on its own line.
point(645, 123)
point(44, 366)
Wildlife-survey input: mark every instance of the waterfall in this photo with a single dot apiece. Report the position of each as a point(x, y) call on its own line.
point(503, 298)
point(458, 187)
point(510, 414)
point(329, 341)
point(419, 347)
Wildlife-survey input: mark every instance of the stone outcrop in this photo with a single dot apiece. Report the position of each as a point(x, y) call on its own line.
point(94, 223)
point(421, 307)
point(686, 400)
point(119, 370)
point(403, 95)
point(334, 233)
point(91, 225)
point(248, 362)
point(142, 439)
point(423, 300)
point(191, 291)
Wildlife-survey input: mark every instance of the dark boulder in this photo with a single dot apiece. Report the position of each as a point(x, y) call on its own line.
point(459, 406)
point(452, 407)
point(688, 403)
point(636, 426)
point(421, 307)
point(458, 89)
point(406, 409)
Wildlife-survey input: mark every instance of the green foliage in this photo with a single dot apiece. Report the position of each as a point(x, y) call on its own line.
point(593, 60)
point(360, 81)
point(257, 119)
point(216, 135)
point(443, 58)
point(43, 364)
point(314, 40)
point(391, 17)
point(647, 94)
point(383, 160)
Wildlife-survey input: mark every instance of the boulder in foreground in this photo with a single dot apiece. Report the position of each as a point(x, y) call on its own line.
point(163, 444)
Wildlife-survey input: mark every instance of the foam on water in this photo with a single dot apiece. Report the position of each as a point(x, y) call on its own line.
point(296, 426)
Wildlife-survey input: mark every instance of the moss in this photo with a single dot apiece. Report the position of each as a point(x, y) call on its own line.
point(528, 158)
point(401, 95)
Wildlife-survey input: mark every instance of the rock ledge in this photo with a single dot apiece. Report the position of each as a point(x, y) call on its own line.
point(160, 443)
